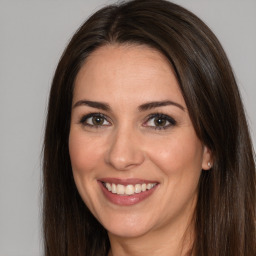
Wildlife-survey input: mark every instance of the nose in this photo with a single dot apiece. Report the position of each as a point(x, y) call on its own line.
point(125, 151)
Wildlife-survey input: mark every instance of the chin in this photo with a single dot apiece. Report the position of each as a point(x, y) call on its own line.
point(127, 232)
point(129, 226)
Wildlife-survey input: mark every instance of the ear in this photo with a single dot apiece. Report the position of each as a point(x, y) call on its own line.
point(207, 161)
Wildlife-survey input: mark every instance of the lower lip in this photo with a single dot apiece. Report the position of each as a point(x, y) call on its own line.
point(126, 200)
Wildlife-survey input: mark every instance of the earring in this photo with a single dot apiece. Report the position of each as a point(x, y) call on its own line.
point(209, 164)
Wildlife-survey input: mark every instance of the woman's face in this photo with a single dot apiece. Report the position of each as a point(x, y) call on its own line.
point(135, 156)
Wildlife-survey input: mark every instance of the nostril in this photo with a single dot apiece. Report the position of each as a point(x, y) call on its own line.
point(124, 155)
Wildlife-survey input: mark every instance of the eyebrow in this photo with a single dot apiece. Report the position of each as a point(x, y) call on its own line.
point(143, 107)
point(156, 104)
point(93, 104)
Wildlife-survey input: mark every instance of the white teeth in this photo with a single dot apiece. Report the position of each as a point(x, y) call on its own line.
point(129, 189)
point(137, 188)
point(120, 189)
point(150, 185)
point(113, 188)
point(108, 186)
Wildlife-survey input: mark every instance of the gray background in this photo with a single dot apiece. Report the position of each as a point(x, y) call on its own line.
point(33, 35)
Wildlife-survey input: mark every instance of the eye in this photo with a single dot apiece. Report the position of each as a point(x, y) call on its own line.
point(159, 121)
point(95, 120)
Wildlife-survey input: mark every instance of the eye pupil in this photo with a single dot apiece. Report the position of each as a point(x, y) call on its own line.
point(97, 120)
point(160, 122)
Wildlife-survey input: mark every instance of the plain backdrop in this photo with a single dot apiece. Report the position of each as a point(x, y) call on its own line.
point(33, 35)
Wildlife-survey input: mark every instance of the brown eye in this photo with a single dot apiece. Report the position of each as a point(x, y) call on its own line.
point(159, 121)
point(95, 120)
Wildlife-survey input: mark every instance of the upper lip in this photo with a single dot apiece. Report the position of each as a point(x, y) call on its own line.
point(132, 181)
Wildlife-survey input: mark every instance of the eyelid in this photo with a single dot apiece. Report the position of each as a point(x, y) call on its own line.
point(171, 120)
point(93, 114)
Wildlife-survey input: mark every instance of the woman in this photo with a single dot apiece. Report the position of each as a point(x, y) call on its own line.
point(147, 149)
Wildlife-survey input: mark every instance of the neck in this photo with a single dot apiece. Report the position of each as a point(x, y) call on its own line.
point(170, 240)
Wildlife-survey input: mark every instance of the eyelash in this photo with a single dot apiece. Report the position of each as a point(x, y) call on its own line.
point(160, 116)
point(84, 120)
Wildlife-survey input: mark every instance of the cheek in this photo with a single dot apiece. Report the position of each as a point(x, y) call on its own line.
point(178, 154)
point(83, 153)
point(85, 156)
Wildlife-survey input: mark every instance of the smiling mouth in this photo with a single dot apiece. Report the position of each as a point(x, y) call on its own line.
point(128, 190)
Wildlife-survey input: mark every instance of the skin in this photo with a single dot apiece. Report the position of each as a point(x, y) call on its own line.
point(129, 145)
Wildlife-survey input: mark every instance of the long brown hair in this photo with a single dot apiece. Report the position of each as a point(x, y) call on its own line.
point(225, 211)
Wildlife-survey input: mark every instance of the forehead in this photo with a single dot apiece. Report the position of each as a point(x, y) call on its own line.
point(124, 71)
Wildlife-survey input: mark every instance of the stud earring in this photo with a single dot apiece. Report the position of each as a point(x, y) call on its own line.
point(209, 164)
